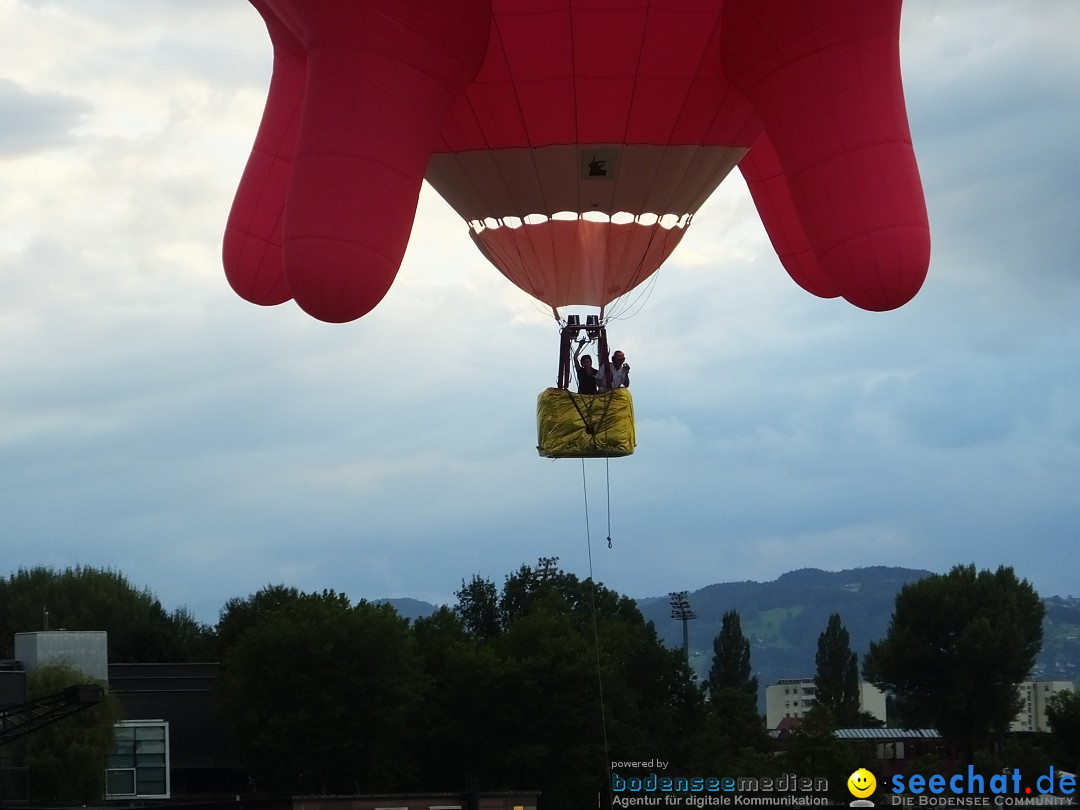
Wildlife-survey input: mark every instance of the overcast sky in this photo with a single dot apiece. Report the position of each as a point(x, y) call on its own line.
point(153, 422)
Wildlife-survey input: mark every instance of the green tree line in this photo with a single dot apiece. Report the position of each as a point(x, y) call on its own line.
point(86, 598)
point(545, 680)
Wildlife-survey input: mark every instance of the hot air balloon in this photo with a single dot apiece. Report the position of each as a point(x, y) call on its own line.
point(577, 138)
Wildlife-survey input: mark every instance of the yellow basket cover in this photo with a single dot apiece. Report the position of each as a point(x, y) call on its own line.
point(570, 425)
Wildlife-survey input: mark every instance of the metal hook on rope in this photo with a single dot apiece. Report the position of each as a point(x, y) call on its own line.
point(607, 475)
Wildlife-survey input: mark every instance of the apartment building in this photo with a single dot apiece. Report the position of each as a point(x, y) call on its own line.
point(1035, 695)
point(793, 697)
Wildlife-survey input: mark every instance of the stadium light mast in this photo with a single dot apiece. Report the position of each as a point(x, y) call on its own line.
point(681, 610)
point(546, 566)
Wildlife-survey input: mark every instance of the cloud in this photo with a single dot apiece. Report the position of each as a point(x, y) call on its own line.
point(153, 422)
point(32, 122)
point(990, 93)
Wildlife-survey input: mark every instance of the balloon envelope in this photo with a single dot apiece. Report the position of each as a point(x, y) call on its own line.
point(590, 136)
point(577, 138)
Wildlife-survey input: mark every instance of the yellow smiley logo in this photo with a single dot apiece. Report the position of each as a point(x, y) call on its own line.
point(861, 783)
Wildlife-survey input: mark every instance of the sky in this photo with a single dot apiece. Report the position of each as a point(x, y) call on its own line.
point(154, 423)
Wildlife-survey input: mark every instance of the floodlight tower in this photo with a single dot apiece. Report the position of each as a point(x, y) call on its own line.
point(546, 566)
point(680, 609)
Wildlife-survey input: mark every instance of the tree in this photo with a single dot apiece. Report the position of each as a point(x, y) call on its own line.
point(194, 641)
point(569, 665)
point(241, 614)
point(478, 607)
point(958, 645)
point(736, 740)
point(318, 695)
point(731, 658)
point(85, 598)
point(1063, 716)
point(837, 676)
point(813, 748)
point(458, 718)
point(66, 760)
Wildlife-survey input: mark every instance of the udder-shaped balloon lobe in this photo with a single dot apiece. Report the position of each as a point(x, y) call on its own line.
point(824, 79)
point(328, 197)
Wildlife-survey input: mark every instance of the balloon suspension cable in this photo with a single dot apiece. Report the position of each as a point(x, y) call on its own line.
point(566, 337)
point(595, 331)
point(630, 304)
point(596, 630)
point(603, 362)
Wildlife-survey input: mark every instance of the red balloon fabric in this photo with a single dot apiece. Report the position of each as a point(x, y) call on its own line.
point(358, 92)
point(577, 138)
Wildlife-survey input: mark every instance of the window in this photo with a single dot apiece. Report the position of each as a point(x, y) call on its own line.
point(138, 767)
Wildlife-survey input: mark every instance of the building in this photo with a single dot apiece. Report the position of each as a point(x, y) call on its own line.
point(891, 750)
point(793, 698)
point(166, 746)
point(1035, 695)
point(169, 745)
point(85, 650)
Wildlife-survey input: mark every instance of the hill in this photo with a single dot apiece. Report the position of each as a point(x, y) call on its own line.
point(410, 609)
point(1059, 659)
point(784, 618)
